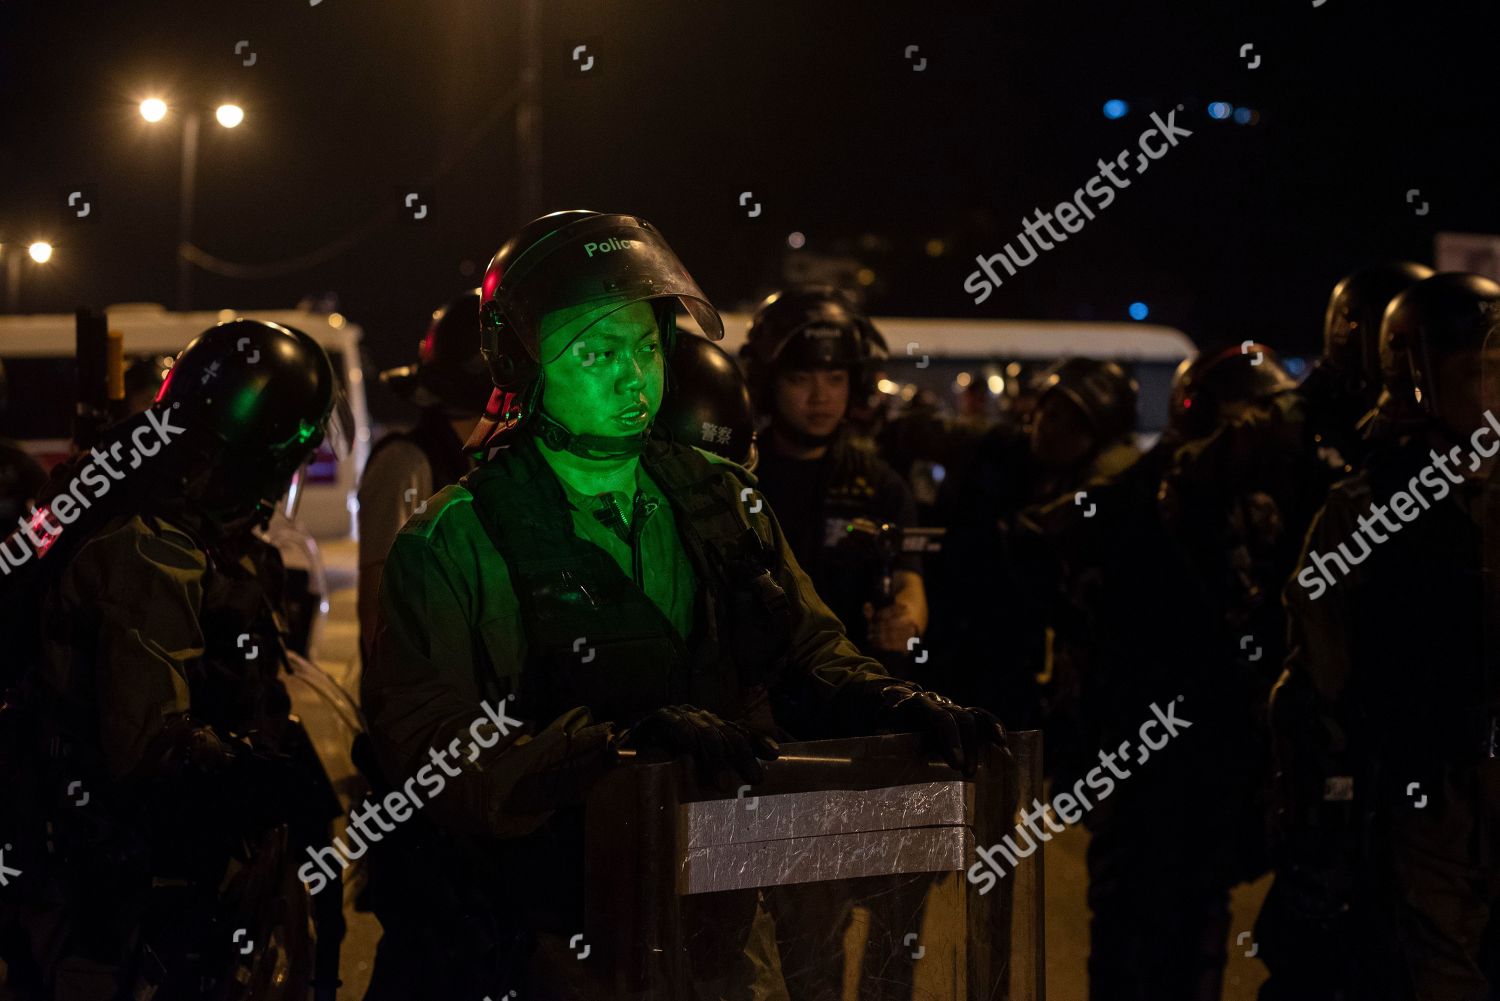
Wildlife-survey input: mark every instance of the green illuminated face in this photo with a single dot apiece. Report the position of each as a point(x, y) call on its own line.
point(610, 380)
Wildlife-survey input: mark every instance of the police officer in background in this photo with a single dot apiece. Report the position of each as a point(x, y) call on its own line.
point(1388, 713)
point(704, 637)
point(808, 355)
point(1084, 426)
point(1397, 414)
point(1345, 383)
point(992, 600)
point(164, 766)
point(707, 402)
point(451, 387)
point(1243, 484)
point(1142, 624)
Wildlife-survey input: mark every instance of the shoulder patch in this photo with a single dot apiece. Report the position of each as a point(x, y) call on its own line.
point(741, 473)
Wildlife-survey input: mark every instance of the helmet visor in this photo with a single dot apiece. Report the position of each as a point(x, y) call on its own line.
point(311, 456)
point(339, 426)
point(587, 270)
point(291, 501)
point(821, 345)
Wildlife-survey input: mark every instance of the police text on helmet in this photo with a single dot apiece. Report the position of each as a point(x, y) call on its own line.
point(613, 243)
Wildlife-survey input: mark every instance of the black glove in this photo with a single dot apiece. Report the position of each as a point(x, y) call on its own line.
point(959, 733)
point(715, 745)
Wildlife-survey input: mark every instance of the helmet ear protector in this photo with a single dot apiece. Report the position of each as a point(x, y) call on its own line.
point(514, 368)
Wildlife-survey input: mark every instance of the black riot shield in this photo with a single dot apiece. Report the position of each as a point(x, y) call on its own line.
point(842, 875)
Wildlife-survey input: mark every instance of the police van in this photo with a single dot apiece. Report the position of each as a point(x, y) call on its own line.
point(38, 354)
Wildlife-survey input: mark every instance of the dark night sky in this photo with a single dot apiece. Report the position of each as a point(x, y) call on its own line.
point(1238, 232)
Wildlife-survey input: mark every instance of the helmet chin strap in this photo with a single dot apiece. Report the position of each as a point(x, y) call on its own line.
point(589, 446)
point(799, 437)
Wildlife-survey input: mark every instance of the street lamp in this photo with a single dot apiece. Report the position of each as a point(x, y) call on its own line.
point(40, 251)
point(229, 116)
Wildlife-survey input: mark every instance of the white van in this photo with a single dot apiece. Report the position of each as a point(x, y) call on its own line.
point(939, 354)
point(38, 354)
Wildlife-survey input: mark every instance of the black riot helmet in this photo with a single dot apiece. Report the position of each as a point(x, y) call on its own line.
point(1203, 386)
point(1102, 390)
point(1437, 317)
point(810, 327)
point(707, 403)
point(255, 399)
point(1351, 324)
point(450, 372)
point(549, 283)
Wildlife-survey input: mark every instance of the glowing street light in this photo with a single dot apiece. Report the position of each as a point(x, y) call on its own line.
point(40, 252)
point(229, 116)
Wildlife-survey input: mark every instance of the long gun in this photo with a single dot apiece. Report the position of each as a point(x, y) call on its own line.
point(889, 543)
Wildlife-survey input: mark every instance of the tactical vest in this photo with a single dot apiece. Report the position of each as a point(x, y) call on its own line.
point(594, 638)
point(851, 484)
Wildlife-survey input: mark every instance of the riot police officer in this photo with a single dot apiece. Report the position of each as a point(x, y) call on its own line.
point(1145, 619)
point(1397, 414)
point(1344, 385)
point(809, 354)
point(628, 593)
point(1084, 425)
point(166, 768)
point(990, 595)
point(1243, 483)
point(1387, 713)
point(451, 387)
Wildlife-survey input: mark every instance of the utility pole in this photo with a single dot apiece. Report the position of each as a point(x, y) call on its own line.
point(529, 116)
point(185, 209)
